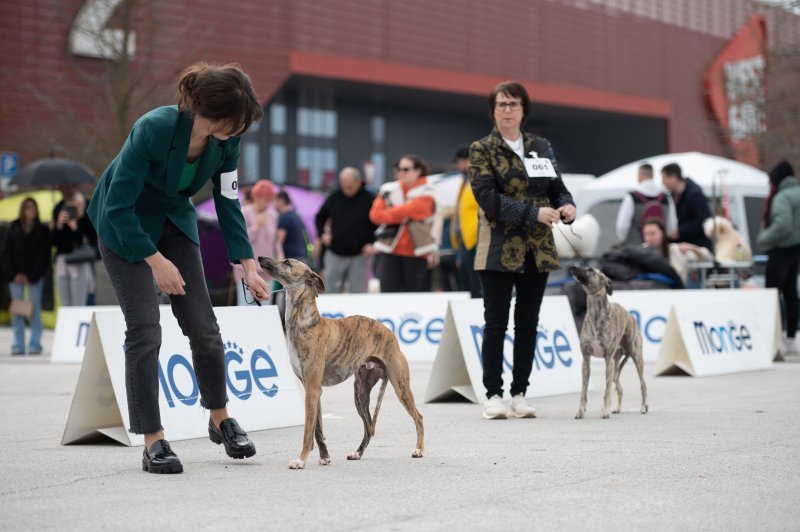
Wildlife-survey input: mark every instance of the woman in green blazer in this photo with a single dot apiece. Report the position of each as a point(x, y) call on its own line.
point(147, 231)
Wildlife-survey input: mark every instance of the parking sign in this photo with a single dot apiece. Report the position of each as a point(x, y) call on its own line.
point(8, 164)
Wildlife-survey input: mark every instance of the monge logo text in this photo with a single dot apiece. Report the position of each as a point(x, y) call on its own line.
point(730, 338)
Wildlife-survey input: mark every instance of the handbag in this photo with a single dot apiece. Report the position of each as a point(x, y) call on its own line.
point(83, 253)
point(21, 307)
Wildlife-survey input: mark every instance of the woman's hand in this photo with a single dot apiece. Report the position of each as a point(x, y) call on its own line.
point(567, 213)
point(21, 278)
point(258, 286)
point(548, 216)
point(167, 276)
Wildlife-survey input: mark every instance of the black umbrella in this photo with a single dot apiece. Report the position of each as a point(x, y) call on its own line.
point(53, 171)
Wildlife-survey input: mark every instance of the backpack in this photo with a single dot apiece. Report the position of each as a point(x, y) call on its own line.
point(653, 209)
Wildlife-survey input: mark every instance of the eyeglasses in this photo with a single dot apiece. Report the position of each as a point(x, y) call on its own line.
point(510, 106)
point(404, 170)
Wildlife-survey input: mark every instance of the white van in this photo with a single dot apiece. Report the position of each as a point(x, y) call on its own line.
point(742, 186)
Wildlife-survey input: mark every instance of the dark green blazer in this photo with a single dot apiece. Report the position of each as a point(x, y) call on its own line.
point(139, 189)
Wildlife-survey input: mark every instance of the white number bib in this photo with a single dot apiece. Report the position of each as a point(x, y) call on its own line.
point(539, 167)
point(229, 183)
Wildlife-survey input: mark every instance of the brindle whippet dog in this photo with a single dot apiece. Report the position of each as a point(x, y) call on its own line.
point(610, 332)
point(325, 352)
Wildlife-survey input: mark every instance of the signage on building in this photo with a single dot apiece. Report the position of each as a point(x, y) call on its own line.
point(736, 90)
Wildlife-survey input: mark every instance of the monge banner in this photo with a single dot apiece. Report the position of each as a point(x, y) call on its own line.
point(416, 319)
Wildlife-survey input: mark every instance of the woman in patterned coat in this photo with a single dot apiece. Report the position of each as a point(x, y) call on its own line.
point(518, 187)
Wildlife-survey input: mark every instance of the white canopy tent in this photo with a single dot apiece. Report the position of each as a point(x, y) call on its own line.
point(744, 186)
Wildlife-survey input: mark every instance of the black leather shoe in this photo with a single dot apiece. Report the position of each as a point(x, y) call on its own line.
point(237, 444)
point(159, 458)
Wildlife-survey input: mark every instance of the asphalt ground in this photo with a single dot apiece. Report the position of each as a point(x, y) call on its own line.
point(715, 453)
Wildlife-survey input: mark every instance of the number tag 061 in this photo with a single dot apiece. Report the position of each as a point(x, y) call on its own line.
point(539, 167)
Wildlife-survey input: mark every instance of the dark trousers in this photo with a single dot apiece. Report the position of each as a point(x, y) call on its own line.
point(782, 269)
point(136, 293)
point(404, 274)
point(497, 287)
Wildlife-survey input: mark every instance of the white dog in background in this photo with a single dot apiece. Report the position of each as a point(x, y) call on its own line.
point(729, 246)
point(587, 228)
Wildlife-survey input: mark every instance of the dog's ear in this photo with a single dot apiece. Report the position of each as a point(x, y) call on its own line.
point(317, 282)
point(609, 287)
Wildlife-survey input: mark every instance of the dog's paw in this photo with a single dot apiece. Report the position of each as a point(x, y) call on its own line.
point(324, 461)
point(355, 455)
point(644, 409)
point(605, 414)
point(297, 464)
point(615, 411)
point(417, 453)
point(580, 414)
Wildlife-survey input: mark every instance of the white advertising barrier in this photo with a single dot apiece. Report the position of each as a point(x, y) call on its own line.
point(72, 333)
point(458, 368)
point(719, 332)
point(263, 391)
point(651, 309)
point(416, 319)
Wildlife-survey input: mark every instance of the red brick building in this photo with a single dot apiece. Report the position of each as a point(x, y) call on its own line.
point(349, 81)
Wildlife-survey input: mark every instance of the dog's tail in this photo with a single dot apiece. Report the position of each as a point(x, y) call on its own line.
point(622, 362)
point(378, 406)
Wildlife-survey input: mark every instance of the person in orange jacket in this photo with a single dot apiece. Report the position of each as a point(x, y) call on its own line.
point(405, 210)
point(464, 230)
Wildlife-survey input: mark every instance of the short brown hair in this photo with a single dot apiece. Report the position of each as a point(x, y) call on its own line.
point(512, 89)
point(220, 93)
point(674, 170)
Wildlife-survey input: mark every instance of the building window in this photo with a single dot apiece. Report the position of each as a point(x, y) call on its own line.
point(316, 167)
point(317, 123)
point(250, 163)
point(277, 158)
point(277, 118)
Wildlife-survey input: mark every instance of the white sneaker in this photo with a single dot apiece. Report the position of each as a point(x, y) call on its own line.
point(520, 407)
point(790, 346)
point(494, 408)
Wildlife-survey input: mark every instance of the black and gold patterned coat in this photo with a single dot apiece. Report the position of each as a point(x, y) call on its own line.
point(509, 202)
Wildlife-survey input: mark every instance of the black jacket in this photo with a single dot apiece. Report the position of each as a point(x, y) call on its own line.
point(65, 239)
point(26, 253)
point(692, 210)
point(351, 229)
point(627, 262)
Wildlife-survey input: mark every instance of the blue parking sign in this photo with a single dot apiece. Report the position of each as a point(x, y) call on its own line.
point(8, 164)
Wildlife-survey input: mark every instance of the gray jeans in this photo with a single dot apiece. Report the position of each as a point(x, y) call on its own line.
point(342, 271)
point(133, 284)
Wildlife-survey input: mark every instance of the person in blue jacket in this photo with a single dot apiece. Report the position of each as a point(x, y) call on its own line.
point(147, 231)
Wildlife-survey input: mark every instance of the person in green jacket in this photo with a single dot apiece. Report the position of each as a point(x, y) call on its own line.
point(780, 240)
point(147, 231)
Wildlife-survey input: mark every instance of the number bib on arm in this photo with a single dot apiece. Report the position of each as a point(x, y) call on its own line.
point(229, 183)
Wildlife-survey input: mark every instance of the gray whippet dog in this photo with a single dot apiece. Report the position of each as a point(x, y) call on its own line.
point(610, 332)
point(325, 352)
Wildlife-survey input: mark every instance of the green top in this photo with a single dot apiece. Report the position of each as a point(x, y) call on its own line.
point(188, 175)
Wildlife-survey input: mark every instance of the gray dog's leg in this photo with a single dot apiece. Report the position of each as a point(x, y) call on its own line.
point(610, 367)
point(585, 386)
point(324, 457)
point(364, 382)
point(617, 372)
point(638, 359)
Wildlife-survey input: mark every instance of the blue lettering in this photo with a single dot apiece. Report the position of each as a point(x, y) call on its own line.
point(541, 338)
point(241, 376)
point(722, 338)
point(263, 373)
point(558, 349)
point(165, 387)
point(178, 360)
point(561, 345)
point(415, 331)
point(433, 332)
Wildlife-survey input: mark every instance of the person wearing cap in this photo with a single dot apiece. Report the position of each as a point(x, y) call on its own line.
point(464, 229)
point(262, 228)
point(780, 240)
